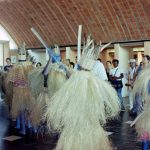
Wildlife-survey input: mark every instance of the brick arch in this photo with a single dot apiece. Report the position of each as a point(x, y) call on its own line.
point(57, 21)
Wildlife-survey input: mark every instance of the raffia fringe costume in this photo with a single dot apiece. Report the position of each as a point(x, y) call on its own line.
point(80, 108)
point(142, 122)
point(21, 96)
point(56, 79)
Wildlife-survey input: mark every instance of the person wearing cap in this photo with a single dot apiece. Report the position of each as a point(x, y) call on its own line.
point(132, 72)
point(131, 78)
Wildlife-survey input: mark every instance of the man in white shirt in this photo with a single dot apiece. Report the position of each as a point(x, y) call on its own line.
point(116, 77)
point(99, 70)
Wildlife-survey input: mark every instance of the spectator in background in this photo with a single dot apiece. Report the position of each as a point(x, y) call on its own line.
point(76, 64)
point(138, 103)
point(9, 65)
point(38, 64)
point(132, 72)
point(131, 78)
point(116, 80)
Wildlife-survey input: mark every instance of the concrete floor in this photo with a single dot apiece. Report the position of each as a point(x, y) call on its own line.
point(123, 137)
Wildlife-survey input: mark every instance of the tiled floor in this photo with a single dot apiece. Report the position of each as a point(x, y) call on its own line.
point(123, 137)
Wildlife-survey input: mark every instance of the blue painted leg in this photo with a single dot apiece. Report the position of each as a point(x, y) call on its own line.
point(23, 131)
point(29, 124)
point(34, 129)
point(18, 123)
point(145, 145)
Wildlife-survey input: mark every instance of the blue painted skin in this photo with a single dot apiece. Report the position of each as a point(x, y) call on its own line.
point(23, 131)
point(21, 124)
point(145, 145)
point(149, 87)
point(29, 124)
point(18, 123)
point(53, 58)
point(56, 58)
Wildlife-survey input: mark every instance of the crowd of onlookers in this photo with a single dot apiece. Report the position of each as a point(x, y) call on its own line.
point(115, 76)
point(113, 73)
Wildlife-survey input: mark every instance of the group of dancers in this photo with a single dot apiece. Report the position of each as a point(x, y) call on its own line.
point(75, 103)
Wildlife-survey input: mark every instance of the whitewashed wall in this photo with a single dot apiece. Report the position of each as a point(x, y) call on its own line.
point(39, 56)
point(123, 55)
point(1, 54)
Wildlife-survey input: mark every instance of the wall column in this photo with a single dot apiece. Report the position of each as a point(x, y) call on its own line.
point(4, 52)
point(6, 49)
point(147, 48)
point(139, 57)
point(1, 55)
point(70, 54)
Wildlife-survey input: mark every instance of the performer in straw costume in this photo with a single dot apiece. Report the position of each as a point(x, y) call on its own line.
point(80, 107)
point(21, 95)
point(56, 77)
point(142, 86)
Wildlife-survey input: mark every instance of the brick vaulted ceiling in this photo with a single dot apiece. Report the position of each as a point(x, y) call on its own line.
point(57, 20)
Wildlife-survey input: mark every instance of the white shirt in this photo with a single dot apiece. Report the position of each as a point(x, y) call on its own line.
point(132, 72)
point(116, 72)
point(99, 70)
